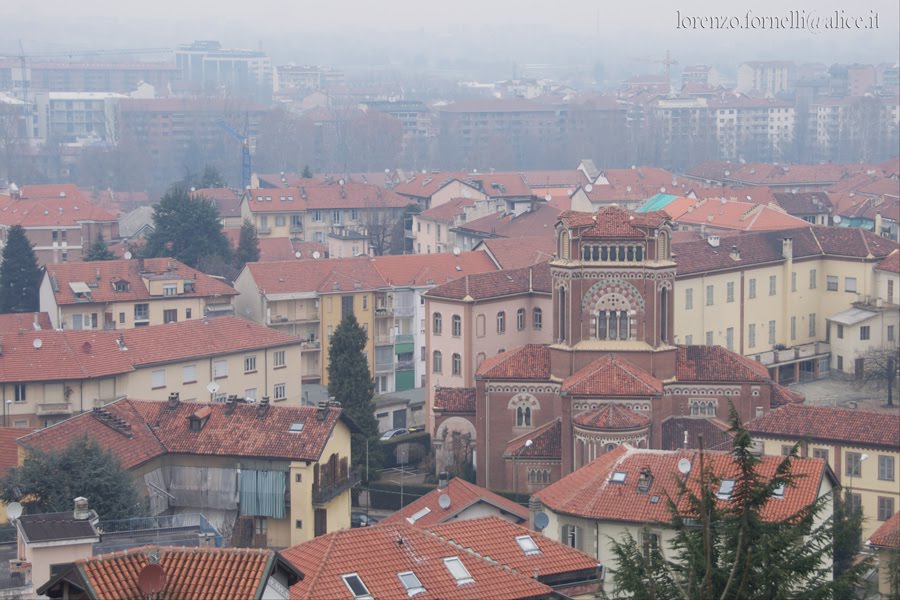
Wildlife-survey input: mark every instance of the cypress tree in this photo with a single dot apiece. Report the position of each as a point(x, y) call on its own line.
point(99, 250)
point(20, 275)
point(248, 245)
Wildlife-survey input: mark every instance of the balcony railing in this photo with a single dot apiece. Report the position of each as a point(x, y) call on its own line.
point(384, 367)
point(296, 229)
point(311, 345)
point(264, 230)
point(403, 338)
point(384, 311)
point(405, 365)
point(289, 320)
point(328, 490)
point(404, 311)
point(54, 408)
point(384, 339)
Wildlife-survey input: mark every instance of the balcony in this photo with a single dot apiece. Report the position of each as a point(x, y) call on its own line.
point(405, 365)
point(54, 408)
point(384, 339)
point(795, 354)
point(296, 229)
point(403, 338)
point(264, 230)
point(404, 311)
point(311, 345)
point(292, 320)
point(329, 489)
point(384, 311)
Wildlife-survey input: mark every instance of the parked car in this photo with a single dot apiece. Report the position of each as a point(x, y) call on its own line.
point(392, 433)
point(361, 519)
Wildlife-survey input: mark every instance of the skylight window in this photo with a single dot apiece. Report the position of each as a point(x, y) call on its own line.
point(618, 477)
point(418, 515)
point(526, 543)
point(356, 586)
point(458, 570)
point(296, 428)
point(411, 583)
point(725, 489)
point(778, 492)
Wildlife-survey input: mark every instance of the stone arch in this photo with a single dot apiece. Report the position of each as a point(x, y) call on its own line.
point(613, 286)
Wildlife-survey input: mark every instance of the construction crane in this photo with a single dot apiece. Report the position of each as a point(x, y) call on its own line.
point(668, 63)
point(244, 139)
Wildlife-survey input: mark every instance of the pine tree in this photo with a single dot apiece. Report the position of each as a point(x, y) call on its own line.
point(350, 383)
point(727, 550)
point(307, 172)
point(48, 481)
point(248, 245)
point(99, 250)
point(20, 275)
point(188, 229)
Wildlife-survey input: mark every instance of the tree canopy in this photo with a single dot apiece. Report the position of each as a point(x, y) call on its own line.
point(99, 250)
point(20, 275)
point(248, 245)
point(726, 550)
point(187, 228)
point(50, 481)
point(350, 383)
point(210, 178)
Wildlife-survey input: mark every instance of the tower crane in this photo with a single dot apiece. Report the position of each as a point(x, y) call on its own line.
point(244, 139)
point(668, 62)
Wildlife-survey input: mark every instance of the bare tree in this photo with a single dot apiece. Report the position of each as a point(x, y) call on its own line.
point(881, 370)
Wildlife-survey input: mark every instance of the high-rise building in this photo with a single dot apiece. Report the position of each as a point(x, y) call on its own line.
point(242, 73)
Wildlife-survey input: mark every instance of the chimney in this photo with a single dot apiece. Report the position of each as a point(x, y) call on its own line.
point(263, 408)
point(735, 253)
point(174, 401)
point(787, 248)
point(141, 265)
point(443, 479)
point(82, 511)
point(713, 241)
point(322, 413)
point(230, 404)
point(1, 346)
point(878, 223)
point(120, 342)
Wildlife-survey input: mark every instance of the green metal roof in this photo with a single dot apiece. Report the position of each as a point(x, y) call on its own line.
point(657, 202)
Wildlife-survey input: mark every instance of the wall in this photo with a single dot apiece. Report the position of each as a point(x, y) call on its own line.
point(42, 558)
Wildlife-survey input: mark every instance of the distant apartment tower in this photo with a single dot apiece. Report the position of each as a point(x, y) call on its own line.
point(70, 116)
point(85, 77)
point(703, 75)
point(242, 73)
point(766, 78)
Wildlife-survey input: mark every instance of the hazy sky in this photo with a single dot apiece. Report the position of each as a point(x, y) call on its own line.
point(625, 28)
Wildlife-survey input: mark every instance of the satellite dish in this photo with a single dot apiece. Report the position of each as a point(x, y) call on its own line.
point(684, 466)
point(298, 254)
point(541, 520)
point(13, 511)
point(837, 219)
point(212, 387)
point(548, 197)
point(444, 501)
point(151, 580)
point(37, 343)
point(128, 255)
point(340, 182)
point(317, 254)
point(589, 188)
point(456, 251)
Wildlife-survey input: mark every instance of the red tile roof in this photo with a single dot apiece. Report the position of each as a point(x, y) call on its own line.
point(376, 555)
point(75, 354)
point(590, 493)
point(16, 322)
point(431, 269)
point(450, 399)
point(495, 538)
point(743, 216)
point(201, 573)
point(891, 264)
point(328, 196)
point(527, 362)
point(447, 212)
point(611, 417)
point(528, 224)
point(825, 423)
point(546, 442)
point(425, 185)
point(781, 395)
point(771, 174)
point(500, 185)
point(276, 200)
point(225, 199)
point(805, 203)
point(715, 433)
point(106, 272)
point(513, 253)
point(888, 535)
point(612, 376)
point(496, 284)
point(463, 495)
point(9, 450)
point(570, 178)
point(613, 221)
point(153, 429)
point(715, 363)
point(67, 211)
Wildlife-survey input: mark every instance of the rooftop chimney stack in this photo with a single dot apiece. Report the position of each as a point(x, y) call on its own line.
point(443, 479)
point(82, 510)
point(787, 248)
point(174, 401)
point(263, 408)
point(230, 404)
point(735, 253)
point(322, 413)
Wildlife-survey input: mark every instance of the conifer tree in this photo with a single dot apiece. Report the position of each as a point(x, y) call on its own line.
point(248, 245)
point(99, 250)
point(188, 229)
point(20, 275)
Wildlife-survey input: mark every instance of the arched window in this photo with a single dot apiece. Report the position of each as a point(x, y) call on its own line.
point(438, 324)
point(531, 474)
point(595, 252)
point(523, 416)
point(456, 324)
point(601, 325)
point(564, 244)
point(586, 252)
point(695, 408)
point(479, 359)
point(546, 476)
point(662, 246)
point(520, 319)
point(623, 325)
point(562, 314)
point(501, 322)
point(436, 362)
point(456, 365)
point(639, 255)
point(604, 253)
point(537, 318)
point(611, 447)
point(664, 315)
point(630, 253)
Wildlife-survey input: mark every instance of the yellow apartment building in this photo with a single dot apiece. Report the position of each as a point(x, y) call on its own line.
point(862, 447)
point(124, 294)
point(48, 376)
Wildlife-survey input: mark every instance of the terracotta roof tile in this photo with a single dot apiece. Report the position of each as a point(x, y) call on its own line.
point(110, 271)
point(715, 363)
point(855, 427)
point(152, 429)
point(590, 492)
point(891, 264)
point(743, 216)
point(49, 209)
point(804, 203)
point(513, 253)
point(201, 573)
point(376, 555)
point(425, 185)
point(316, 275)
point(9, 450)
point(527, 362)
point(612, 376)
point(527, 224)
point(611, 417)
point(888, 535)
point(276, 200)
point(328, 196)
point(570, 178)
point(613, 221)
point(714, 432)
point(771, 174)
point(16, 322)
point(463, 495)
point(449, 399)
point(495, 538)
point(431, 269)
point(781, 395)
point(546, 442)
point(497, 284)
point(225, 200)
point(448, 211)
